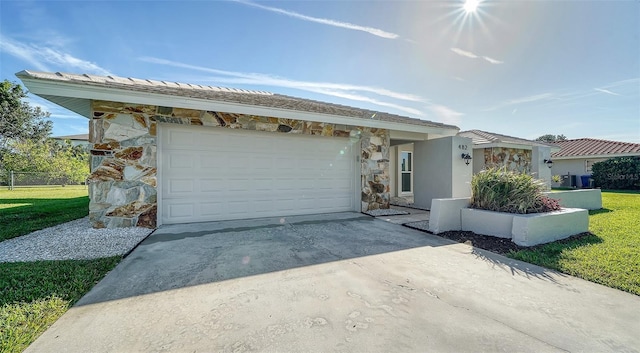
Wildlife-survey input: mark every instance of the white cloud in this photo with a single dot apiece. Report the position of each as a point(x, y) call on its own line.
point(45, 58)
point(529, 99)
point(461, 52)
point(606, 91)
point(374, 31)
point(471, 55)
point(22, 51)
point(340, 90)
point(491, 60)
point(445, 114)
point(521, 100)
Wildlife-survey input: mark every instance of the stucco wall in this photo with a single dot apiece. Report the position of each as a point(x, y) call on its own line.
point(123, 182)
point(478, 160)
point(439, 170)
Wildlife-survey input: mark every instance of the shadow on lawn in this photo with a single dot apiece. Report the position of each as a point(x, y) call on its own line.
point(602, 210)
point(547, 255)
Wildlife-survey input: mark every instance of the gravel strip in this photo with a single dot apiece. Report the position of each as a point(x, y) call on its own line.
point(74, 240)
point(385, 212)
point(422, 225)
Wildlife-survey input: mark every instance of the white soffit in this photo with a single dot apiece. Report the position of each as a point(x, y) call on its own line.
point(78, 97)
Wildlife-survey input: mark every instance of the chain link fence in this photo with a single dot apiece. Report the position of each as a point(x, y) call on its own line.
point(12, 179)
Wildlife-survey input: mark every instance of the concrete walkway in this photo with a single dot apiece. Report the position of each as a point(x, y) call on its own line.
point(341, 282)
point(413, 215)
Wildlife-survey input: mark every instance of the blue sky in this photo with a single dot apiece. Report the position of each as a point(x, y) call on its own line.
point(521, 68)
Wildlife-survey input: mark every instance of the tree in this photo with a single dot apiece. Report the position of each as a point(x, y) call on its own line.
point(25, 145)
point(551, 138)
point(18, 119)
point(55, 163)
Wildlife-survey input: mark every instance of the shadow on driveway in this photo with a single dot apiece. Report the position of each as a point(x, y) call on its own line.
point(178, 256)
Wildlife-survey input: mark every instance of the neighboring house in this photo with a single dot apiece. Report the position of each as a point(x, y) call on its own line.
point(496, 150)
point(166, 152)
point(76, 140)
point(487, 150)
point(576, 156)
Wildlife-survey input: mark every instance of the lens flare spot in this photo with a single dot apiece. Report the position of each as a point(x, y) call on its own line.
point(246, 260)
point(282, 220)
point(471, 6)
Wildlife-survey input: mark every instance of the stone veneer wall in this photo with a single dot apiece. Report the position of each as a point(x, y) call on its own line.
point(515, 159)
point(123, 183)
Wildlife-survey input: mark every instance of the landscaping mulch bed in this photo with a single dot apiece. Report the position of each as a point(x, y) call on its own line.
point(496, 245)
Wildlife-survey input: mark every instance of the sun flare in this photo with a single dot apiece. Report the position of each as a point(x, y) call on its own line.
point(471, 6)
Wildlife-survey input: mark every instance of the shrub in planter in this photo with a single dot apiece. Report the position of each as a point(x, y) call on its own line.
point(622, 173)
point(501, 190)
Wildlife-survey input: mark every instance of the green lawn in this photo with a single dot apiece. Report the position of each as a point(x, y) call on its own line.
point(610, 255)
point(33, 295)
point(24, 210)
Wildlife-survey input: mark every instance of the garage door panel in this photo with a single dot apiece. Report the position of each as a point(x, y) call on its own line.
point(211, 185)
point(178, 186)
point(180, 210)
point(180, 160)
point(210, 174)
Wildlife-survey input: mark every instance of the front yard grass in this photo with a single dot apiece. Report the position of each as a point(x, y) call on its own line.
point(24, 210)
point(612, 258)
point(35, 294)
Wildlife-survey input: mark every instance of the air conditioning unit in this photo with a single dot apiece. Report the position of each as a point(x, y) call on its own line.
point(569, 181)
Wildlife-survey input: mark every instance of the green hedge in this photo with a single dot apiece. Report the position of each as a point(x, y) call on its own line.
point(620, 173)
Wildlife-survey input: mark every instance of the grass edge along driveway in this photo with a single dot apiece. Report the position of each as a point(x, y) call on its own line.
point(609, 256)
point(34, 295)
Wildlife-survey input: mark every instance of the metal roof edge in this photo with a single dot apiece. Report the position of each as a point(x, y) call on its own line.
point(72, 89)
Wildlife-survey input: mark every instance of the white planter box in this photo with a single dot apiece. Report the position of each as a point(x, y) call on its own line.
point(540, 228)
point(498, 224)
point(590, 199)
point(445, 214)
point(527, 229)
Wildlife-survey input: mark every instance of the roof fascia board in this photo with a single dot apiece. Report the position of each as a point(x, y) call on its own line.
point(512, 145)
point(605, 156)
point(66, 89)
point(407, 135)
point(500, 144)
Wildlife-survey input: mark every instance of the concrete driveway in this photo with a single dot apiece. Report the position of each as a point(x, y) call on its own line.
point(339, 282)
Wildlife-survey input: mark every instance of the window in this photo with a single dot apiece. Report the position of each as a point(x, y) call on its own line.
point(406, 171)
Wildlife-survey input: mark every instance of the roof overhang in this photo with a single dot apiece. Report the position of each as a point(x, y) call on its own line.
point(512, 145)
point(77, 97)
point(598, 156)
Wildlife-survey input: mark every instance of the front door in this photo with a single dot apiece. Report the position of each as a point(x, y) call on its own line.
point(406, 173)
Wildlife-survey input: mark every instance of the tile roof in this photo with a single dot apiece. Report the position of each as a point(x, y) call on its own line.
point(593, 147)
point(84, 137)
point(480, 137)
point(229, 95)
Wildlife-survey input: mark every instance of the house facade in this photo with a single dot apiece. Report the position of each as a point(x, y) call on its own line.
point(75, 140)
point(486, 150)
point(164, 153)
point(576, 157)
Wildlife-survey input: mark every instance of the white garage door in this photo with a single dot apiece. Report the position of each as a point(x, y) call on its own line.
point(209, 174)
